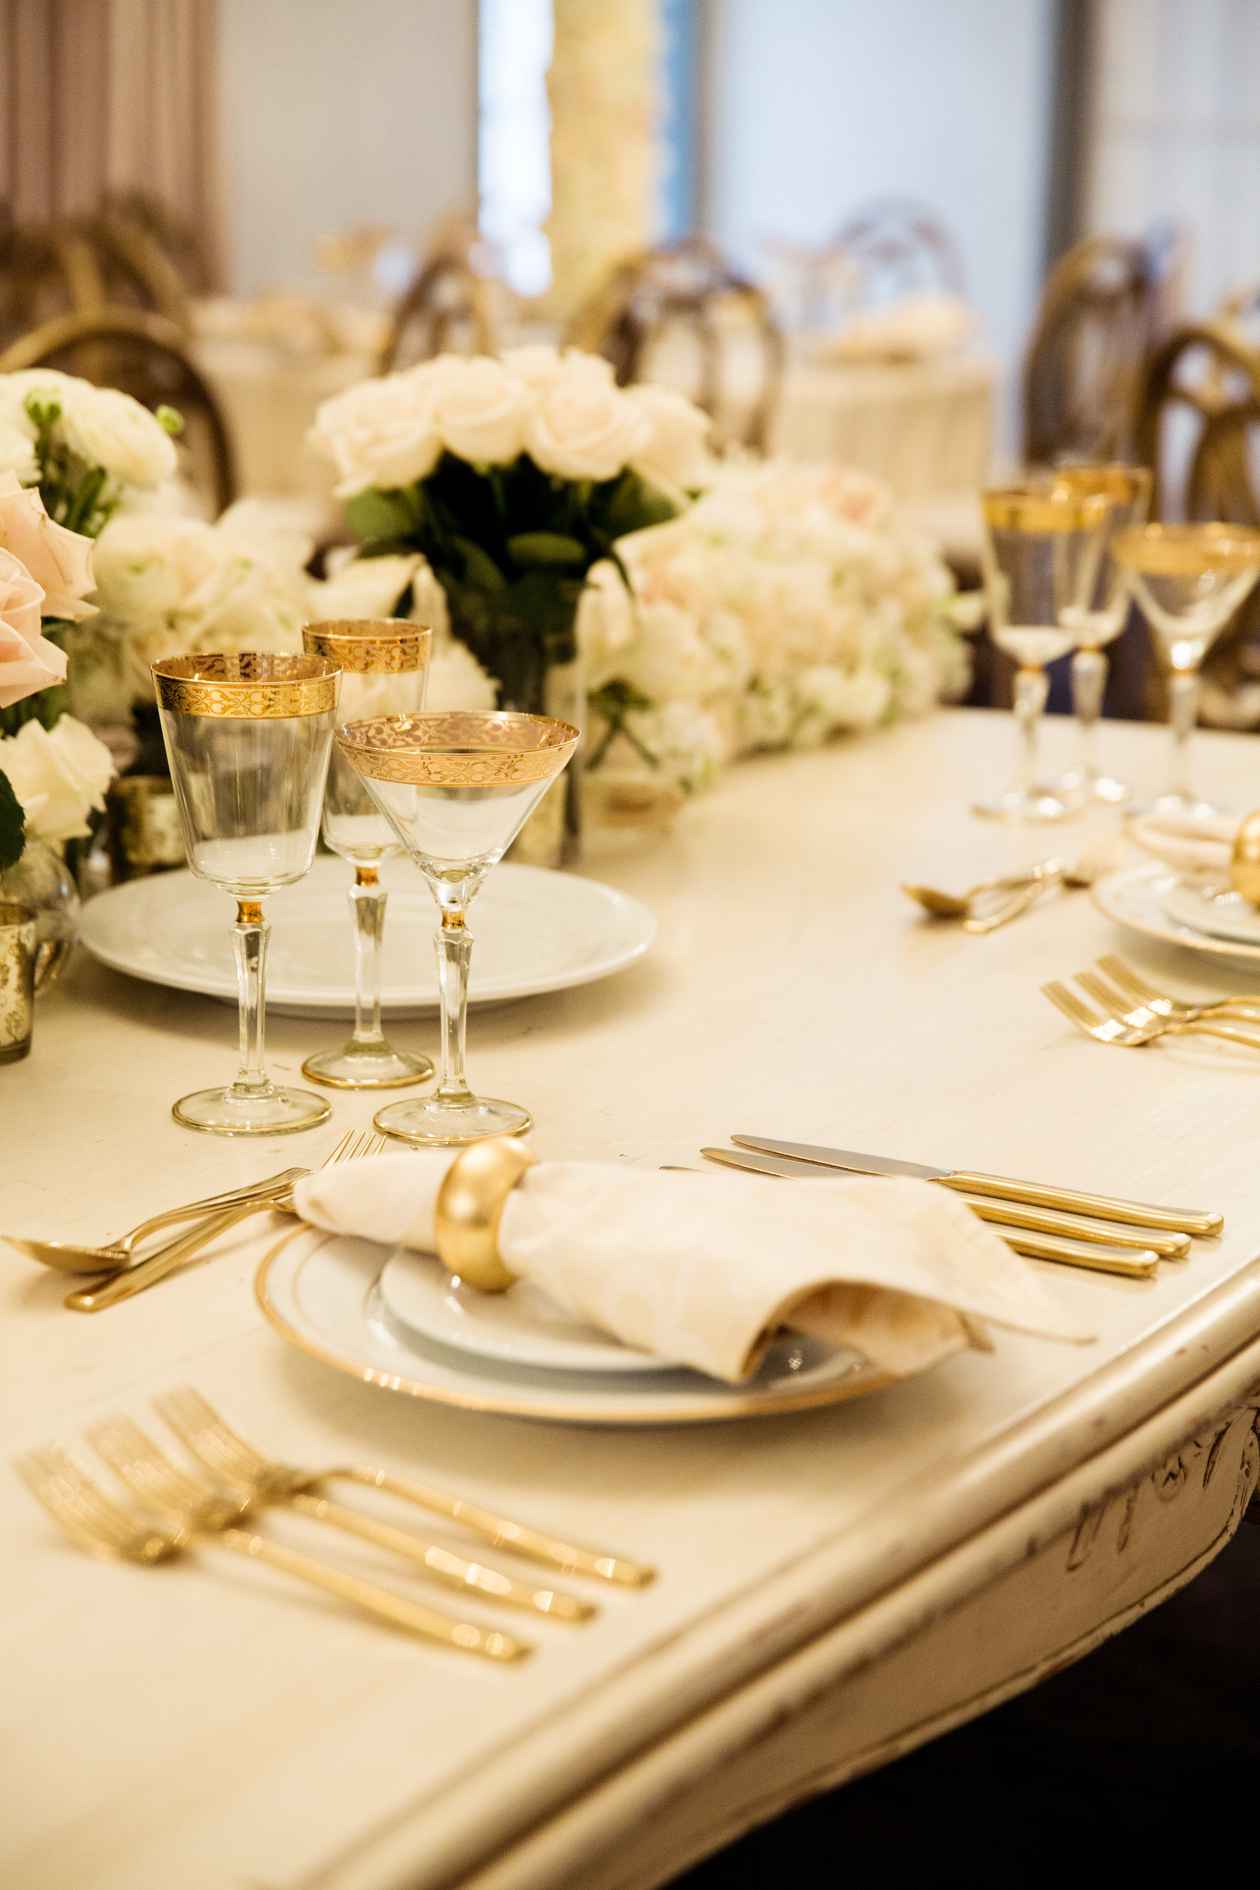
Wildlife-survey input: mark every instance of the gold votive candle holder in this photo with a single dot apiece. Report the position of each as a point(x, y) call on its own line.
point(17, 980)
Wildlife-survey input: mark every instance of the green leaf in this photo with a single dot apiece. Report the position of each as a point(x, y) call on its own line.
point(546, 548)
point(629, 504)
point(376, 514)
point(12, 825)
point(479, 567)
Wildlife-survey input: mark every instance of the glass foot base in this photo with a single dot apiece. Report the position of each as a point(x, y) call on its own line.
point(1080, 791)
point(281, 1112)
point(1187, 806)
point(367, 1066)
point(432, 1123)
point(1040, 804)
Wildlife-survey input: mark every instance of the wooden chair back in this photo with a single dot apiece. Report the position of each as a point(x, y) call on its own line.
point(145, 356)
point(1085, 357)
point(446, 310)
point(688, 292)
point(898, 247)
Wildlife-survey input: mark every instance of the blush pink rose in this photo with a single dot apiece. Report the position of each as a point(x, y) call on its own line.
point(28, 661)
point(59, 560)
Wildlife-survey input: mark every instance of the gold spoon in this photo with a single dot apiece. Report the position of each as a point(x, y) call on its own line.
point(945, 905)
point(1244, 864)
point(118, 1256)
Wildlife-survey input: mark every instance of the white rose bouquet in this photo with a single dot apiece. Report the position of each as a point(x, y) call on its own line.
point(785, 607)
point(513, 477)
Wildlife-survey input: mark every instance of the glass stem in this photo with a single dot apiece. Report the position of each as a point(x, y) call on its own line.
point(1089, 683)
point(1183, 706)
point(367, 904)
point(454, 954)
point(1031, 689)
point(249, 937)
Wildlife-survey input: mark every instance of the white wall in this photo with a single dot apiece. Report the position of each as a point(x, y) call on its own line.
point(816, 106)
point(339, 112)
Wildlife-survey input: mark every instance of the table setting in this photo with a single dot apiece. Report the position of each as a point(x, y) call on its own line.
point(458, 1376)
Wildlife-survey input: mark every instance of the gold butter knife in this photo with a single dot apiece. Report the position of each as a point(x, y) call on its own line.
point(1103, 1207)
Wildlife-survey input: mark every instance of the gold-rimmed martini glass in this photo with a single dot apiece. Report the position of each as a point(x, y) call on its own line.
point(248, 738)
point(384, 668)
point(1036, 545)
point(456, 786)
point(1189, 580)
point(1096, 615)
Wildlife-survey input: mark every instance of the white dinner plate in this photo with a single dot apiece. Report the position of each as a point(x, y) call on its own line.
point(1219, 914)
point(322, 1292)
point(523, 1326)
point(535, 931)
point(1136, 897)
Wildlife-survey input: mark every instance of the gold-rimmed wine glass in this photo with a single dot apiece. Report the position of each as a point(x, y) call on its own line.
point(456, 786)
point(384, 666)
point(1189, 579)
point(248, 738)
point(1096, 615)
point(1036, 544)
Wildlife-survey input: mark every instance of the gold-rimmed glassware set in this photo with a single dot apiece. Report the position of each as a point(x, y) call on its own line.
point(1063, 556)
point(249, 738)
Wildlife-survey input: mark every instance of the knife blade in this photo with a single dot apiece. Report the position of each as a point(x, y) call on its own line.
point(1136, 1262)
point(1103, 1207)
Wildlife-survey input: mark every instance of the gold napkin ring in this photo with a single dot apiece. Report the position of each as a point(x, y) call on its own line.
point(470, 1205)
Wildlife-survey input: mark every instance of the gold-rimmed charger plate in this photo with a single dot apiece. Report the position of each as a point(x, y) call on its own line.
point(1135, 897)
point(321, 1293)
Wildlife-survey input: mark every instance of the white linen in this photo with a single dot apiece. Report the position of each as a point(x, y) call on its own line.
point(702, 1269)
point(1196, 846)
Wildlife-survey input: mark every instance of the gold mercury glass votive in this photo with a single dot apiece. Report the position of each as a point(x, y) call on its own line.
point(17, 980)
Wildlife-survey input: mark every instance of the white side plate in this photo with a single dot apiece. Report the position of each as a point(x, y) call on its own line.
point(535, 931)
point(1136, 897)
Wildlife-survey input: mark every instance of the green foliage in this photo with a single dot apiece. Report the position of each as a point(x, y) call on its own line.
point(615, 703)
point(75, 494)
point(511, 546)
point(12, 825)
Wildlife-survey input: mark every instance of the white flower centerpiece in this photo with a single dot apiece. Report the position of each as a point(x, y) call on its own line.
point(513, 477)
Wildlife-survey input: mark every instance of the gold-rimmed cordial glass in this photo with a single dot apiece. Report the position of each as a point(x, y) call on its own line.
point(1096, 616)
point(248, 740)
point(384, 668)
point(456, 787)
point(1189, 580)
point(1036, 542)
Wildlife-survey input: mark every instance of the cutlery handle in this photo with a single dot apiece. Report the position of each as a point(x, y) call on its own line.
point(1204, 1027)
point(534, 1544)
point(1032, 1221)
point(1073, 1253)
point(428, 1623)
point(1020, 903)
point(132, 1280)
point(442, 1563)
point(1103, 1207)
point(252, 1191)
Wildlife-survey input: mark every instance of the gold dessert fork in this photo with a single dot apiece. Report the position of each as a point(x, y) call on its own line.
point(1123, 975)
point(107, 1527)
point(212, 1440)
point(1109, 1028)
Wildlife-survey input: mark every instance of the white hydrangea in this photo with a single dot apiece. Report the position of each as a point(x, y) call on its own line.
point(457, 680)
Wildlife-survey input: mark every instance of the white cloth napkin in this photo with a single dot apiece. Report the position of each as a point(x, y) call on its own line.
point(703, 1269)
point(1196, 846)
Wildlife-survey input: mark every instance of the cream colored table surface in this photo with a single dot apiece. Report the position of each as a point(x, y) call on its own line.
point(208, 1727)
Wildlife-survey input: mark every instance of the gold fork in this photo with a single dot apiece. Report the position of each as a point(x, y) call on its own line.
point(1142, 1017)
point(1122, 974)
point(127, 1530)
point(353, 1145)
point(1107, 1028)
point(223, 1451)
point(276, 1483)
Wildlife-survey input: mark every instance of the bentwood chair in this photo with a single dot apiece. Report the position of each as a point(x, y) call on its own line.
point(145, 356)
point(135, 271)
point(46, 271)
point(177, 241)
point(898, 248)
point(1085, 356)
point(446, 310)
point(1198, 427)
point(687, 296)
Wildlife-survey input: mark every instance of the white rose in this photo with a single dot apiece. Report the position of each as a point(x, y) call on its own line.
point(540, 366)
point(108, 428)
point(457, 680)
point(364, 587)
point(57, 777)
point(380, 433)
point(583, 427)
point(140, 565)
point(676, 453)
point(479, 408)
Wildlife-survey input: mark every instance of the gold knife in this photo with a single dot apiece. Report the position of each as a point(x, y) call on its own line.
point(1136, 1263)
point(1036, 1194)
